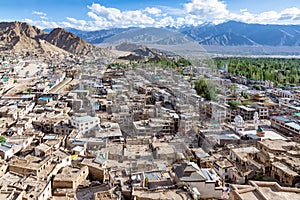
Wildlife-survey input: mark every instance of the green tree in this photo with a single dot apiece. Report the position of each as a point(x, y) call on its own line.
point(146, 181)
point(206, 89)
point(280, 77)
point(2, 139)
point(282, 71)
point(234, 103)
point(257, 87)
point(233, 88)
point(245, 95)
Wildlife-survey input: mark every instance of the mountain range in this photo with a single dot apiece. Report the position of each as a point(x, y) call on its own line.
point(230, 36)
point(234, 33)
point(230, 33)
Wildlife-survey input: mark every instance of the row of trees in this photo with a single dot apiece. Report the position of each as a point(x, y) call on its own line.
point(172, 63)
point(282, 71)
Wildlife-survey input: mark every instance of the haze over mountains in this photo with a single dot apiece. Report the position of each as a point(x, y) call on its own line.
point(236, 33)
point(230, 33)
point(227, 37)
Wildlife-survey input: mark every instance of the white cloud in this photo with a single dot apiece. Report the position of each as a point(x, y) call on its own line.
point(243, 10)
point(39, 13)
point(194, 12)
point(166, 21)
point(76, 21)
point(44, 17)
point(153, 11)
point(209, 9)
point(116, 18)
point(111, 13)
point(44, 24)
point(286, 16)
point(167, 10)
point(188, 20)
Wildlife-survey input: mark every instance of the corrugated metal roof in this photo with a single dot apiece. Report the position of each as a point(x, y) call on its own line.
point(280, 118)
point(293, 125)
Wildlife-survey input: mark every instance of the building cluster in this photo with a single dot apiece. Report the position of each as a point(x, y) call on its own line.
point(95, 132)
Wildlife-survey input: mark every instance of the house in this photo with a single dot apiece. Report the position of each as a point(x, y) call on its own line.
point(70, 177)
point(206, 181)
point(30, 165)
point(6, 151)
point(216, 112)
point(3, 167)
point(142, 194)
point(257, 190)
point(63, 128)
point(223, 166)
point(42, 150)
point(284, 174)
point(271, 150)
point(61, 157)
point(79, 150)
point(44, 100)
point(85, 123)
point(20, 187)
point(164, 151)
point(286, 125)
point(245, 165)
point(110, 130)
point(96, 167)
point(246, 112)
point(157, 179)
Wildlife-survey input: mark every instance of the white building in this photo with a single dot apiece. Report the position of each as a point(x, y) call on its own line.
point(85, 123)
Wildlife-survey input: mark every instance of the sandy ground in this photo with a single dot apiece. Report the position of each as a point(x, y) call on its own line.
point(32, 69)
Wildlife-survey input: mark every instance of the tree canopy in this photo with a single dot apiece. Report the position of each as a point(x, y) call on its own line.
point(282, 71)
point(206, 89)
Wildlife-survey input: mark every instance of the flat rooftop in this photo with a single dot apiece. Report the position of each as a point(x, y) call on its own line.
point(258, 190)
point(156, 195)
point(278, 145)
point(285, 168)
point(269, 134)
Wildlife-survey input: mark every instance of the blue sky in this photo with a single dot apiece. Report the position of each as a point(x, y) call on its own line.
point(104, 14)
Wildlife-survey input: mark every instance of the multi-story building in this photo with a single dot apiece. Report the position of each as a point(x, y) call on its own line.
point(246, 112)
point(286, 125)
point(216, 112)
point(85, 123)
point(284, 174)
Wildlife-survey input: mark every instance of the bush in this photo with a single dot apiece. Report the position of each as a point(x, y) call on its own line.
point(234, 103)
point(258, 177)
